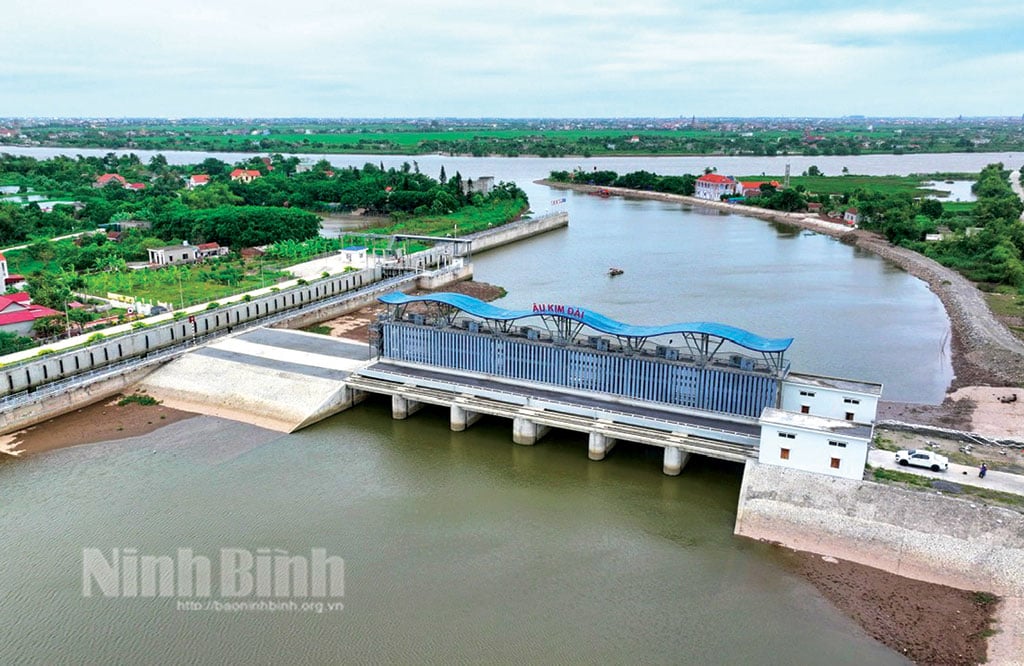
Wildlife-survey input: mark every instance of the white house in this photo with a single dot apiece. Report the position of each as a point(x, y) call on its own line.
point(173, 254)
point(712, 187)
point(3, 274)
point(197, 180)
point(814, 443)
point(207, 250)
point(851, 216)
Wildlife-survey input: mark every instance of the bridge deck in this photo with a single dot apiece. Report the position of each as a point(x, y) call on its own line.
point(723, 438)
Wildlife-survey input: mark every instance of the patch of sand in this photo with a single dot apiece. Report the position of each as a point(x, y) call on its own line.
point(99, 422)
point(992, 417)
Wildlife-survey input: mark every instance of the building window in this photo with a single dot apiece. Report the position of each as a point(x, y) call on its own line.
point(805, 409)
point(849, 416)
point(835, 463)
point(784, 454)
point(809, 394)
point(851, 401)
point(787, 435)
point(841, 445)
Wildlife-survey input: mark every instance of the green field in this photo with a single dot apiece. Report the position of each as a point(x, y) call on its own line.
point(177, 285)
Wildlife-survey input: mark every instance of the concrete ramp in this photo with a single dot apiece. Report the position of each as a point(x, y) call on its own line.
point(278, 379)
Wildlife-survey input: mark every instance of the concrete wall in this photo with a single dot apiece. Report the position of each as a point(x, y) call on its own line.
point(510, 233)
point(916, 534)
point(52, 367)
point(30, 412)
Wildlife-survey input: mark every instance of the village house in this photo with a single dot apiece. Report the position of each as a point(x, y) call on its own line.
point(208, 250)
point(17, 314)
point(107, 178)
point(197, 180)
point(245, 175)
point(173, 255)
point(851, 216)
point(712, 186)
point(251, 253)
point(482, 185)
point(7, 280)
point(752, 188)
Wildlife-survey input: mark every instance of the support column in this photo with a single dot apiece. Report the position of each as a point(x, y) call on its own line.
point(461, 418)
point(527, 432)
point(403, 408)
point(600, 445)
point(675, 460)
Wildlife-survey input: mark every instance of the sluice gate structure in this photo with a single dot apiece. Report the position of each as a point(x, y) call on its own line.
point(696, 387)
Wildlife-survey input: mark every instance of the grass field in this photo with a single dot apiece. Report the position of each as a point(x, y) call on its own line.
point(164, 286)
point(849, 184)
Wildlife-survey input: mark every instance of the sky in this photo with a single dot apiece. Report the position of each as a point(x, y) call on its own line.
point(516, 59)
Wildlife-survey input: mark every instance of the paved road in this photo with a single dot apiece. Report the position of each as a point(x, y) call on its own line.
point(52, 240)
point(968, 476)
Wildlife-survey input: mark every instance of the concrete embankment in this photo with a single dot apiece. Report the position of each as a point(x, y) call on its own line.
point(914, 534)
point(35, 409)
point(277, 379)
point(920, 535)
point(516, 231)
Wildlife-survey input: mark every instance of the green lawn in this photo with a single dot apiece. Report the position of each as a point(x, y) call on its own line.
point(162, 285)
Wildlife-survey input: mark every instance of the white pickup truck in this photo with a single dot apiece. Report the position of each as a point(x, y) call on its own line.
point(921, 458)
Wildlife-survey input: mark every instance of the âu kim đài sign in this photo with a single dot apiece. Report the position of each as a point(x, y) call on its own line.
point(558, 309)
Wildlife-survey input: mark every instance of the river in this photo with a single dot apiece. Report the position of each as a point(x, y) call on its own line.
point(462, 547)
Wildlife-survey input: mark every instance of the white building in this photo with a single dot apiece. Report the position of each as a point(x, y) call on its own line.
point(354, 256)
point(173, 254)
point(830, 397)
point(712, 187)
point(822, 424)
point(814, 443)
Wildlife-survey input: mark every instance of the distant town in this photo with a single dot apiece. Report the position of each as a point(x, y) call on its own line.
point(545, 137)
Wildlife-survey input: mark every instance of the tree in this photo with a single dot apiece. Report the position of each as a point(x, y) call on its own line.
point(12, 342)
point(49, 327)
point(931, 208)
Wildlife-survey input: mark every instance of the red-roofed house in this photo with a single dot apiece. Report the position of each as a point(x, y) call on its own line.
point(105, 179)
point(752, 188)
point(198, 180)
point(207, 250)
point(245, 175)
point(17, 314)
point(851, 216)
point(135, 186)
point(712, 186)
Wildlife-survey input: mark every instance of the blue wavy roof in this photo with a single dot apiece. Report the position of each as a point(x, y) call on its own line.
point(594, 320)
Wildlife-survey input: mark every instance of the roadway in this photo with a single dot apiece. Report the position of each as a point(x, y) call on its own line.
point(962, 474)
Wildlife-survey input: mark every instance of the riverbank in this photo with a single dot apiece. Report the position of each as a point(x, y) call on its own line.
point(102, 421)
point(984, 351)
point(927, 623)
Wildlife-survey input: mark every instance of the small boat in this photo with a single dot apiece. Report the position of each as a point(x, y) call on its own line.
point(612, 272)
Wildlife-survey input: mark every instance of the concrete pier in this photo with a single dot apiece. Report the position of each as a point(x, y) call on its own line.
point(462, 418)
point(600, 445)
point(527, 432)
point(403, 408)
point(675, 460)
